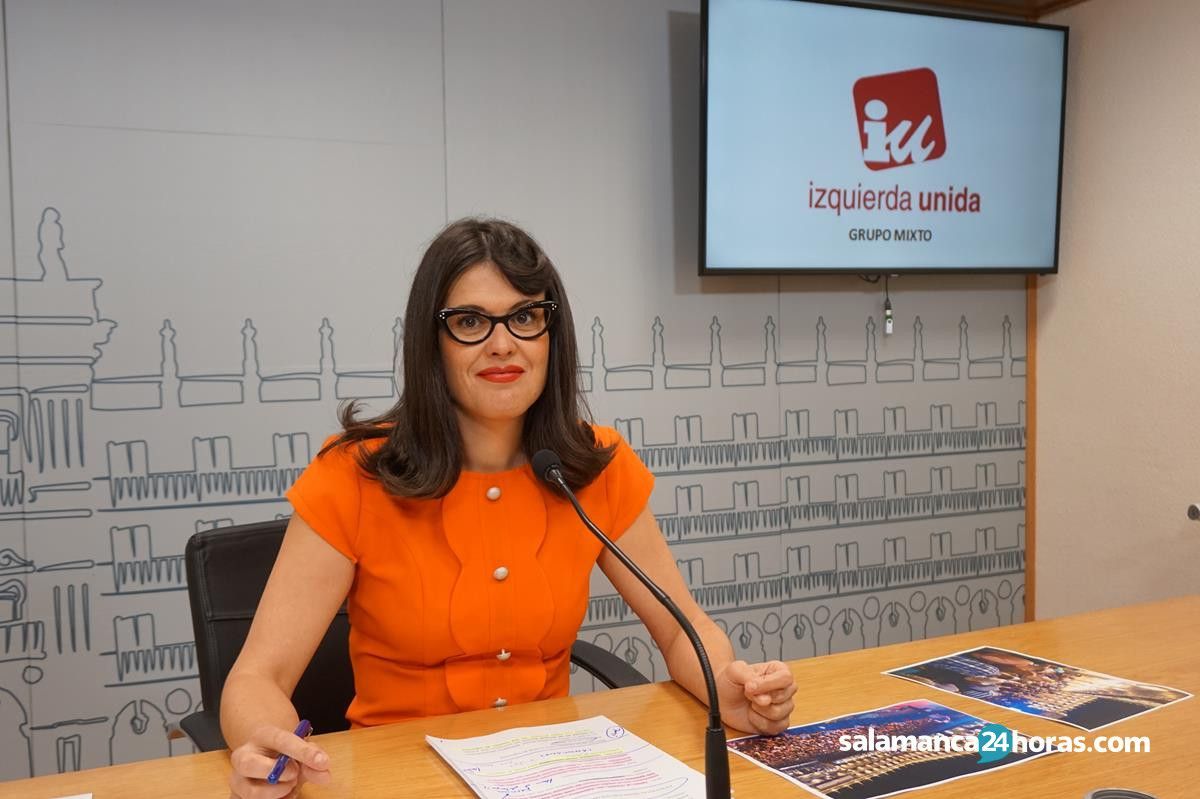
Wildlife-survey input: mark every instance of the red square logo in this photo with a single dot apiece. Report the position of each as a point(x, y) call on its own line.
point(899, 118)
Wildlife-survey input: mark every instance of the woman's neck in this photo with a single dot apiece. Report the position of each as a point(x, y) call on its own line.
point(491, 446)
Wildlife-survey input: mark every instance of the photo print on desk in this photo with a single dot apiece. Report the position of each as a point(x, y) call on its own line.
point(823, 758)
point(1081, 698)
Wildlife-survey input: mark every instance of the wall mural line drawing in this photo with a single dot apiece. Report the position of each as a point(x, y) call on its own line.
point(691, 451)
point(816, 503)
point(660, 373)
point(750, 587)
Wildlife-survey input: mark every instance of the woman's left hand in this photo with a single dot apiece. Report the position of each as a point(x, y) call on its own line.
point(756, 698)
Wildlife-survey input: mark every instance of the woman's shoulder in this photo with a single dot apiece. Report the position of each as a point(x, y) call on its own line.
point(626, 481)
point(624, 458)
point(337, 451)
point(605, 436)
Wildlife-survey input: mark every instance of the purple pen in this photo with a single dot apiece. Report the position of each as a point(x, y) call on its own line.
point(303, 730)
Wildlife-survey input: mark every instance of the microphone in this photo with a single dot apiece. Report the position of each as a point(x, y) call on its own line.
point(547, 467)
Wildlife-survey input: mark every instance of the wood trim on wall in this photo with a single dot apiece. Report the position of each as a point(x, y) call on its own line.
point(1030, 446)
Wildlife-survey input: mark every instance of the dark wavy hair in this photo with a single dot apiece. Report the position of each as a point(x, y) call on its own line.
point(422, 454)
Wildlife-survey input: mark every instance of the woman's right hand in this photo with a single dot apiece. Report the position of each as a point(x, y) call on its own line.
point(253, 761)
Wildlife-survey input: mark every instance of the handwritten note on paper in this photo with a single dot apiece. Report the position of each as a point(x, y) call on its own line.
point(588, 759)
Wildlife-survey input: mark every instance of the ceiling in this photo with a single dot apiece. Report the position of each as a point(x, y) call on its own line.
point(1025, 9)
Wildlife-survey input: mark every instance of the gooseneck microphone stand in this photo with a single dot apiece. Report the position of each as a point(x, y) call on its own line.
point(548, 467)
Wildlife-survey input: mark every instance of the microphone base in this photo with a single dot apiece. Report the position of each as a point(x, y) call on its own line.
point(716, 764)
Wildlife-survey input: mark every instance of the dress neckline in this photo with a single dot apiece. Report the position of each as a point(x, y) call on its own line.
point(523, 468)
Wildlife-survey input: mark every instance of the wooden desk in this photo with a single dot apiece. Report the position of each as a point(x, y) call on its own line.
point(1157, 643)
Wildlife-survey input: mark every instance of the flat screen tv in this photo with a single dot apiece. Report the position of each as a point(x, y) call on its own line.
point(843, 137)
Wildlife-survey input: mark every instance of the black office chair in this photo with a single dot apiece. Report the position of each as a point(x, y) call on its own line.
point(227, 569)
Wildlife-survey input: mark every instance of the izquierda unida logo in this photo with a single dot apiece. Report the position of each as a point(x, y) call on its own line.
point(899, 118)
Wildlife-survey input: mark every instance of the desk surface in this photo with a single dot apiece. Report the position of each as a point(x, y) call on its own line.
point(1158, 643)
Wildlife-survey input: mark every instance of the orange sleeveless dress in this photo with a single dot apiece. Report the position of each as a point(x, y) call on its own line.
point(468, 601)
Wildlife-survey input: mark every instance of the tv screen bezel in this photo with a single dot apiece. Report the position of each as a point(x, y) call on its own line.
point(706, 271)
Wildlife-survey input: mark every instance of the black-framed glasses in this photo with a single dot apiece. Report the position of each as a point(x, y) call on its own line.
point(467, 326)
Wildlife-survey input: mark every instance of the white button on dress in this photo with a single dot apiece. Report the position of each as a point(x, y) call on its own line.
point(504, 655)
point(500, 702)
point(500, 573)
point(493, 493)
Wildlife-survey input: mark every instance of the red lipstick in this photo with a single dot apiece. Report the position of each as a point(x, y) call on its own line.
point(502, 374)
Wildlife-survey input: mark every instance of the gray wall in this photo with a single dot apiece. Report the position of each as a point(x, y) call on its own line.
point(1118, 332)
point(216, 210)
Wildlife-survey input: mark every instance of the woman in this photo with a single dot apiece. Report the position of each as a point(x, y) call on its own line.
point(466, 578)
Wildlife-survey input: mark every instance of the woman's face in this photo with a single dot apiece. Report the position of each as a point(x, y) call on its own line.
point(500, 378)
